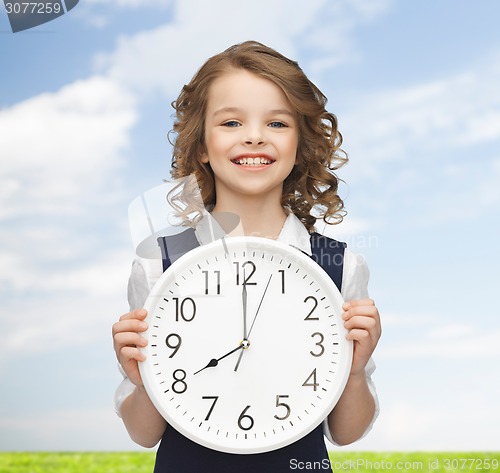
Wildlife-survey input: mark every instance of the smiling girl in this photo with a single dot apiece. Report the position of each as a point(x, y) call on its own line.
point(251, 138)
point(254, 132)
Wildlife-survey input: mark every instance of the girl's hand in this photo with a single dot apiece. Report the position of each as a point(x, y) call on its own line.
point(127, 339)
point(362, 321)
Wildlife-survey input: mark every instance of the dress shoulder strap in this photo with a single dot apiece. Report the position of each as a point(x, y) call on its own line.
point(329, 254)
point(174, 246)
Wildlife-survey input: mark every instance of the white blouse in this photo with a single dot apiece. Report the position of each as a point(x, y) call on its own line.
point(145, 273)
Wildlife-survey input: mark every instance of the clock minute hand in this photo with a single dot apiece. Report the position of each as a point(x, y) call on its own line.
point(244, 298)
point(245, 336)
point(214, 362)
point(253, 321)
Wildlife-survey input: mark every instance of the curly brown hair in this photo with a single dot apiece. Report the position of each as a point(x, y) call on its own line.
point(310, 190)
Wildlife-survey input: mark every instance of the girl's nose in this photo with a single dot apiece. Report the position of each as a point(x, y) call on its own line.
point(254, 137)
point(250, 141)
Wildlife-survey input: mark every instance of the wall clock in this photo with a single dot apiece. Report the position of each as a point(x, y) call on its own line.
point(246, 345)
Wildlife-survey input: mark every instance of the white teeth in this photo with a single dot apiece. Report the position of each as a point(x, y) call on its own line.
point(253, 161)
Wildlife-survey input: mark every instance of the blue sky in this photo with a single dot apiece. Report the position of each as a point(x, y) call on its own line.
point(84, 113)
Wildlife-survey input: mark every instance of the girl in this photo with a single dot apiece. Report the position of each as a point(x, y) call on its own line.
point(254, 132)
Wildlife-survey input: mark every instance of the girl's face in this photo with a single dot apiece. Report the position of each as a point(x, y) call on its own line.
point(251, 137)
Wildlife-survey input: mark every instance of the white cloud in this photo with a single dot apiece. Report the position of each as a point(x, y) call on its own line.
point(72, 307)
point(451, 331)
point(434, 143)
point(330, 39)
point(408, 320)
point(454, 112)
point(183, 48)
point(453, 342)
point(59, 148)
point(24, 272)
point(61, 153)
point(463, 425)
point(131, 3)
point(55, 430)
point(435, 336)
point(100, 14)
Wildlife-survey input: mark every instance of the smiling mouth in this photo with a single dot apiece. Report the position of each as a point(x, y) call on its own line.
point(257, 161)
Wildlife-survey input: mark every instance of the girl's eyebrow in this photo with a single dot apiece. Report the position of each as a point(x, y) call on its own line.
point(278, 111)
point(282, 111)
point(226, 110)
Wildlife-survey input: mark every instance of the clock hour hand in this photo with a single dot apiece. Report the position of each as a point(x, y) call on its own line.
point(214, 362)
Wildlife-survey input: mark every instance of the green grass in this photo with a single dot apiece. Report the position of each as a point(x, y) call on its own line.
point(346, 462)
point(78, 462)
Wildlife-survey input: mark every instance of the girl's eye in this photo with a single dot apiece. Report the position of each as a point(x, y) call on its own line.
point(231, 123)
point(277, 125)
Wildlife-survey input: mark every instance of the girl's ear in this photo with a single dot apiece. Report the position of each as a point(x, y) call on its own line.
point(202, 154)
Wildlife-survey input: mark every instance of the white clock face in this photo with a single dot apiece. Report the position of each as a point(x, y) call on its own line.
point(247, 350)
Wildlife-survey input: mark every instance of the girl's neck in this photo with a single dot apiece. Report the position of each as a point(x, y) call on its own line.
point(256, 218)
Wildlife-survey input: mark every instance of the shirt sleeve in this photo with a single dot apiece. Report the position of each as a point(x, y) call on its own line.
point(142, 277)
point(355, 286)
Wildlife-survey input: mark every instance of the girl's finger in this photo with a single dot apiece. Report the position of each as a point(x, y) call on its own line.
point(131, 353)
point(135, 314)
point(129, 339)
point(129, 325)
point(357, 302)
point(366, 311)
point(360, 335)
point(365, 323)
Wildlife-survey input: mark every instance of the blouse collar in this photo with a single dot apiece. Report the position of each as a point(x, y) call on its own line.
point(293, 233)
